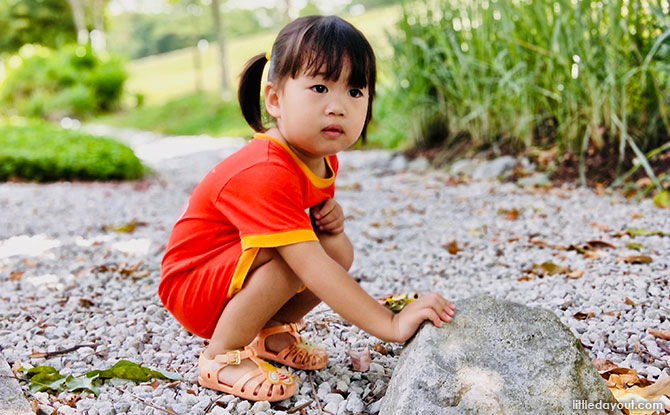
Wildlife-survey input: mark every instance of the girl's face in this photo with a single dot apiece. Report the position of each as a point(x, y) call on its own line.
point(317, 117)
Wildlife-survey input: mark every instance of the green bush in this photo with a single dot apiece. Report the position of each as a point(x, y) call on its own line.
point(533, 73)
point(73, 81)
point(42, 152)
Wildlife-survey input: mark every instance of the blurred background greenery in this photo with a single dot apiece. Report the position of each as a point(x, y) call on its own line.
point(578, 80)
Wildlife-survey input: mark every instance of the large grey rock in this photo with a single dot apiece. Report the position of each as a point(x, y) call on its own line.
point(495, 357)
point(494, 168)
point(12, 401)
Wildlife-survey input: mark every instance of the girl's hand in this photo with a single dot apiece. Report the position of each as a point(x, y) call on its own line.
point(328, 216)
point(430, 306)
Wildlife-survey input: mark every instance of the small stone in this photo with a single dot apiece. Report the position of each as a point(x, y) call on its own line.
point(342, 386)
point(243, 406)
point(260, 406)
point(375, 407)
point(219, 411)
point(653, 371)
point(354, 404)
point(333, 397)
point(331, 407)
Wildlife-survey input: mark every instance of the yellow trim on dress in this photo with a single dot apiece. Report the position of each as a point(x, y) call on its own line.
point(252, 244)
point(317, 181)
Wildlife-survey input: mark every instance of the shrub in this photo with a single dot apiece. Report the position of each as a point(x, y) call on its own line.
point(42, 152)
point(73, 81)
point(535, 73)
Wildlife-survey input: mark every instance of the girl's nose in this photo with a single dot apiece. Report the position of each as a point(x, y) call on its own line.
point(335, 108)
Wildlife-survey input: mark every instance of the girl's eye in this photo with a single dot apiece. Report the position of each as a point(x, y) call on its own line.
point(355, 93)
point(320, 89)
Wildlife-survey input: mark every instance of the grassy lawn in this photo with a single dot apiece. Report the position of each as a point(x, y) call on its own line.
point(170, 75)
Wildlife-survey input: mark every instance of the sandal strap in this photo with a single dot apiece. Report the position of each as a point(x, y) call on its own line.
point(234, 357)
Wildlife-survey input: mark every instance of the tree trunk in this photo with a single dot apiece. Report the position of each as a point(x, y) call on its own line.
point(79, 21)
point(98, 42)
point(218, 29)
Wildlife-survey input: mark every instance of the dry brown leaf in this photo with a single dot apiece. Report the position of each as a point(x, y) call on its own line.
point(580, 315)
point(636, 215)
point(525, 277)
point(661, 334)
point(549, 268)
point(153, 384)
point(600, 226)
point(622, 377)
point(603, 365)
point(578, 273)
point(509, 214)
point(651, 392)
point(35, 405)
point(379, 348)
point(16, 275)
point(600, 244)
point(628, 301)
point(37, 354)
point(191, 392)
point(637, 259)
point(360, 360)
point(452, 247)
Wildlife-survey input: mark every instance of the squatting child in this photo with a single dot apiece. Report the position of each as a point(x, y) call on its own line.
point(245, 261)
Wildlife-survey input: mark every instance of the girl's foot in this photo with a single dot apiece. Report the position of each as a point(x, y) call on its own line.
point(243, 374)
point(282, 343)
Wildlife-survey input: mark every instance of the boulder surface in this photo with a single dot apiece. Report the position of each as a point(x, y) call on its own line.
point(496, 357)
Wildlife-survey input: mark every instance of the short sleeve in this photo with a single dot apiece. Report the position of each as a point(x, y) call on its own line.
point(265, 203)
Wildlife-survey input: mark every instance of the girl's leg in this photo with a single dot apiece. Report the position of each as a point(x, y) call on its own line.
point(269, 292)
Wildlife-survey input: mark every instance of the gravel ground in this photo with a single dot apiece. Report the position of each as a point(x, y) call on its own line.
point(67, 279)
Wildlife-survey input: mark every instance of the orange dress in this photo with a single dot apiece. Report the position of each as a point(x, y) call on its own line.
point(256, 198)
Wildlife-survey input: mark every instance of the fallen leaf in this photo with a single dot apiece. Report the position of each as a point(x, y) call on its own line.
point(662, 199)
point(636, 215)
point(85, 302)
point(191, 392)
point(37, 354)
point(379, 348)
point(603, 365)
point(153, 384)
point(645, 232)
point(580, 315)
point(637, 259)
point(16, 275)
point(525, 277)
point(509, 214)
point(452, 247)
point(661, 334)
point(634, 246)
point(628, 301)
point(651, 392)
point(578, 273)
point(600, 226)
point(549, 268)
point(360, 360)
point(600, 245)
point(128, 227)
point(396, 302)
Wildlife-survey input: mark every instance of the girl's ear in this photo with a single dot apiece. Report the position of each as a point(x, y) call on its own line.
point(271, 95)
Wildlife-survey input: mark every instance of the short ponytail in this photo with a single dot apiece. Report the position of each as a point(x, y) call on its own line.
point(249, 92)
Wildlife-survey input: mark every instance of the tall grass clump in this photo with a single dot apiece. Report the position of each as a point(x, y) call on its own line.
point(522, 73)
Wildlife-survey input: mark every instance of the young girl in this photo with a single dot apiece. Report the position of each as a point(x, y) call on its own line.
point(245, 262)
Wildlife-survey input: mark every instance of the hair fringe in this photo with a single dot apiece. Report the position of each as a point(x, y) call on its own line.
point(249, 92)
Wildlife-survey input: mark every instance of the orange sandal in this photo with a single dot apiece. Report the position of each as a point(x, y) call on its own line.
point(300, 355)
point(265, 383)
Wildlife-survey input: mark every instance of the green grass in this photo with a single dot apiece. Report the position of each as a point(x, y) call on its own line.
point(198, 113)
point(535, 73)
point(37, 151)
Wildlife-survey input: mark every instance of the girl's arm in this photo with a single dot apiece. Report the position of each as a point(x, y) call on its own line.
point(332, 284)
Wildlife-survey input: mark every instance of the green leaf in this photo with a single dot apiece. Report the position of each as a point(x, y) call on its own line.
point(662, 199)
point(80, 383)
point(635, 246)
point(45, 379)
point(125, 369)
point(645, 232)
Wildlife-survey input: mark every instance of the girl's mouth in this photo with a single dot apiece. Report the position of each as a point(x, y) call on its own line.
point(333, 131)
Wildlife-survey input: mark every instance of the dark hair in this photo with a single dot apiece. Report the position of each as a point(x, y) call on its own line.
point(316, 45)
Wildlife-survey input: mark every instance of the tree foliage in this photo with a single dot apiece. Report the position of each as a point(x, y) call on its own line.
point(46, 22)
